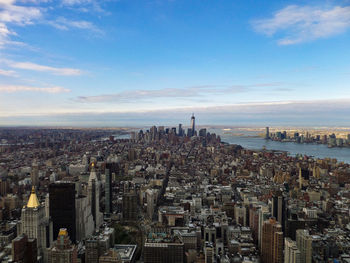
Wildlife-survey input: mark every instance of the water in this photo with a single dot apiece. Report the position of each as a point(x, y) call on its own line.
point(250, 141)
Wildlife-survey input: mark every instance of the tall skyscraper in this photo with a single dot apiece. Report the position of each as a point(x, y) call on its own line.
point(34, 175)
point(291, 251)
point(193, 127)
point(108, 191)
point(279, 208)
point(35, 224)
point(180, 130)
point(130, 206)
point(272, 242)
point(94, 197)
point(304, 243)
point(63, 250)
point(62, 207)
point(267, 133)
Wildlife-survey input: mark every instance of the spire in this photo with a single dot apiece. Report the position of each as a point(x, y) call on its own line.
point(33, 201)
point(93, 175)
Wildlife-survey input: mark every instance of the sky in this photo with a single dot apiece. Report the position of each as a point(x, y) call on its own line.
point(145, 62)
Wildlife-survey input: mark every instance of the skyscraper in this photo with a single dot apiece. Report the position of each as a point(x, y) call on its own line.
point(291, 251)
point(267, 133)
point(63, 250)
point(193, 127)
point(108, 192)
point(94, 196)
point(304, 243)
point(35, 224)
point(180, 130)
point(279, 208)
point(272, 242)
point(62, 207)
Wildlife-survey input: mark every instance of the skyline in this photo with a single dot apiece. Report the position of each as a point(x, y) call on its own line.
point(126, 63)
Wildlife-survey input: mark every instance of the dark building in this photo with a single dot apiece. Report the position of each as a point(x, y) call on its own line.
point(130, 206)
point(279, 209)
point(62, 207)
point(108, 192)
point(160, 247)
point(203, 132)
point(24, 249)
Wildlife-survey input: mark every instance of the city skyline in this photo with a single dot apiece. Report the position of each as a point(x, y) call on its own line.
point(125, 63)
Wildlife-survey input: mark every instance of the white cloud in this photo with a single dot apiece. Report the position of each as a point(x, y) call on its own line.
point(19, 88)
point(189, 92)
point(299, 24)
point(7, 72)
point(15, 14)
point(43, 68)
point(65, 24)
point(21, 15)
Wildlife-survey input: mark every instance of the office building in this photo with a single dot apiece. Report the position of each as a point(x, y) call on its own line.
point(279, 208)
point(63, 250)
point(62, 207)
point(193, 127)
point(163, 247)
point(272, 242)
point(130, 206)
point(94, 197)
point(108, 192)
point(267, 133)
point(24, 249)
point(304, 243)
point(291, 251)
point(35, 224)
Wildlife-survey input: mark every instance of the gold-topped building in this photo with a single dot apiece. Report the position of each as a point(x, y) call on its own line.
point(35, 224)
point(33, 201)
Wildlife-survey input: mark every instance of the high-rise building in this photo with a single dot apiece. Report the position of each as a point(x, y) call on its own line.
point(209, 252)
point(193, 127)
point(203, 132)
point(34, 175)
point(304, 243)
point(180, 130)
point(24, 249)
point(35, 224)
point(108, 192)
point(279, 208)
point(94, 197)
point(63, 250)
point(291, 251)
point(62, 207)
point(272, 242)
point(162, 247)
point(267, 133)
point(264, 215)
point(92, 250)
point(130, 206)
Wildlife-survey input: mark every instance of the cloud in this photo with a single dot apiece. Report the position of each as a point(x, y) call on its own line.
point(84, 5)
point(65, 24)
point(15, 88)
point(300, 113)
point(298, 24)
point(189, 92)
point(43, 68)
point(15, 14)
point(7, 73)
point(20, 15)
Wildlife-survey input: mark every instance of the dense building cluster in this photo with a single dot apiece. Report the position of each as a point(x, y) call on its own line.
point(167, 195)
point(332, 140)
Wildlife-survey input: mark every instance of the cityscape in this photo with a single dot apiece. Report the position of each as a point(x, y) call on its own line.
point(174, 131)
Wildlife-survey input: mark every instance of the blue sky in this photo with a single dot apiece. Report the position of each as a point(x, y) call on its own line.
point(118, 63)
